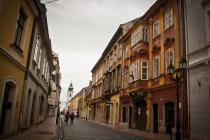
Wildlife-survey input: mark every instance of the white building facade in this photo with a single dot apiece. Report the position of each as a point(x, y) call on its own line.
point(37, 82)
point(197, 23)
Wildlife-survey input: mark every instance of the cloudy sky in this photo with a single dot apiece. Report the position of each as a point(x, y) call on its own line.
point(81, 29)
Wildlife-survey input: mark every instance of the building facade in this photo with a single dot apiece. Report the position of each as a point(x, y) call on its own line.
point(53, 98)
point(38, 75)
point(16, 27)
point(137, 91)
point(106, 79)
point(197, 23)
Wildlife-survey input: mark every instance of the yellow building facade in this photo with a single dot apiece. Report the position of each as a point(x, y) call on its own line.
point(17, 19)
point(146, 98)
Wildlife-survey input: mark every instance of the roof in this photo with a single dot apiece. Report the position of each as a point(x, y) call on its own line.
point(117, 34)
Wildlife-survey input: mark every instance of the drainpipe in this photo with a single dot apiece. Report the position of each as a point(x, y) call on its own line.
point(187, 73)
point(183, 53)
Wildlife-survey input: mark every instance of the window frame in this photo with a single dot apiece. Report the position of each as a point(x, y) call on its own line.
point(156, 28)
point(143, 67)
point(40, 57)
point(156, 74)
point(36, 49)
point(168, 18)
point(144, 34)
point(20, 28)
point(167, 57)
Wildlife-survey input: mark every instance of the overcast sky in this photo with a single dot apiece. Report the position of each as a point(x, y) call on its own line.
point(81, 29)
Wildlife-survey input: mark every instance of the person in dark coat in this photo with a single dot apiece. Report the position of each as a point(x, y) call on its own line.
point(72, 117)
point(67, 117)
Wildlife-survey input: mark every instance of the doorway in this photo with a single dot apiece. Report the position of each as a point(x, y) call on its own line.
point(32, 109)
point(7, 107)
point(107, 113)
point(130, 117)
point(155, 118)
point(169, 115)
point(141, 116)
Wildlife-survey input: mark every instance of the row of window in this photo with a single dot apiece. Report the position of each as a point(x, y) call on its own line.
point(20, 25)
point(40, 59)
point(168, 20)
point(139, 69)
point(141, 33)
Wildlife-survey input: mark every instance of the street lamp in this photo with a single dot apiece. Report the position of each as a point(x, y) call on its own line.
point(178, 79)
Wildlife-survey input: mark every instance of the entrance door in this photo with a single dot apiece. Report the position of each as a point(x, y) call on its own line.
point(169, 113)
point(155, 118)
point(32, 109)
point(5, 106)
point(141, 117)
point(130, 117)
point(107, 114)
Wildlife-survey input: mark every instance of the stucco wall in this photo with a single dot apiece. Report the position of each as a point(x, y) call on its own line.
point(200, 101)
point(195, 23)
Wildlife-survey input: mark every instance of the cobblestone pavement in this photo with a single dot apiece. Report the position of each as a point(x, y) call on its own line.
point(84, 130)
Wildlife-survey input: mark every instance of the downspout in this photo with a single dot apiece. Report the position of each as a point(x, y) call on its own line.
point(187, 73)
point(27, 71)
point(183, 53)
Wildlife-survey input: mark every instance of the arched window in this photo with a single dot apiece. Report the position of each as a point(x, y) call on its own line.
point(156, 66)
point(169, 58)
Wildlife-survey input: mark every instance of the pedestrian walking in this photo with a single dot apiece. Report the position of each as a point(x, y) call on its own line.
point(72, 117)
point(57, 117)
point(62, 117)
point(67, 117)
point(77, 115)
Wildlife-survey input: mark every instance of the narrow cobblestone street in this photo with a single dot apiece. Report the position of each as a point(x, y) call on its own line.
point(84, 130)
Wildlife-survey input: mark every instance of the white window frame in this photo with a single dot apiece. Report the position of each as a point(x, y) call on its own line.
point(45, 74)
point(156, 28)
point(36, 47)
point(43, 67)
point(136, 36)
point(143, 67)
point(135, 70)
point(168, 58)
point(156, 71)
point(168, 18)
point(40, 57)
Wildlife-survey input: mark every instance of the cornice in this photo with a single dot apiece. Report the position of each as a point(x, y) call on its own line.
point(38, 82)
point(11, 59)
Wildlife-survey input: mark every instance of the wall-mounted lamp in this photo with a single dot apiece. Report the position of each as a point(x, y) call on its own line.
point(199, 83)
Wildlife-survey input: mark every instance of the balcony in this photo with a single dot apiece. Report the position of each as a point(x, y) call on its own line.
point(139, 50)
point(136, 85)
